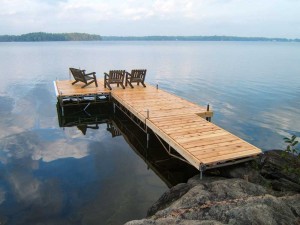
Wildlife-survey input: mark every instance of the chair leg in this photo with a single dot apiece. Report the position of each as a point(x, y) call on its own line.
point(90, 83)
point(130, 84)
point(122, 85)
point(87, 84)
point(75, 82)
point(106, 84)
point(143, 84)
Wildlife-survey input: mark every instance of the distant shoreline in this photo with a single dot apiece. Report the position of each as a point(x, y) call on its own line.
point(196, 38)
point(45, 37)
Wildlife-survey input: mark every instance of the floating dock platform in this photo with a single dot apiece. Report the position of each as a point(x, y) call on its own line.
point(180, 125)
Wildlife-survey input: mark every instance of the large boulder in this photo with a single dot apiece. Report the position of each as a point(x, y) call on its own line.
point(258, 192)
point(274, 169)
point(280, 168)
point(227, 201)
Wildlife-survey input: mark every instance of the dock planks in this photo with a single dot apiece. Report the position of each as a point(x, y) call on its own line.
point(65, 88)
point(180, 123)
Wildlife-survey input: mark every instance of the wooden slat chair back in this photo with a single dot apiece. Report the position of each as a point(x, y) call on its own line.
point(136, 76)
point(81, 76)
point(114, 77)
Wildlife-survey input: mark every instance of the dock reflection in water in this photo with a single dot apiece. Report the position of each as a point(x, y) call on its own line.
point(86, 173)
point(169, 169)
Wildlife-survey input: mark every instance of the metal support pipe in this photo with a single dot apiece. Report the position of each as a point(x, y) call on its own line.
point(207, 109)
point(147, 117)
point(148, 138)
point(87, 106)
point(202, 168)
point(168, 150)
point(130, 116)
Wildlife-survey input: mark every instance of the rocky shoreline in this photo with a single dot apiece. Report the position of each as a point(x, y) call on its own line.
point(257, 192)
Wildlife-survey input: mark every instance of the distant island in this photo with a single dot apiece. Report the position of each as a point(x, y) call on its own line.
point(42, 36)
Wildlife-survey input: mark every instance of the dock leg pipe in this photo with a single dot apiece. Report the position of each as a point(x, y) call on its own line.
point(202, 168)
point(85, 108)
point(148, 137)
point(208, 118)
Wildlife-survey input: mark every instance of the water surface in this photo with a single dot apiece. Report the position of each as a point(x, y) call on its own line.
point(51, 175)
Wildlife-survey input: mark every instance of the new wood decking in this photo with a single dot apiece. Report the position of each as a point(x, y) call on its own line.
point(180, 123)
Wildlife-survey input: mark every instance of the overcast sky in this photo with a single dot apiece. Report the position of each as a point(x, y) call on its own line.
point(268, 18)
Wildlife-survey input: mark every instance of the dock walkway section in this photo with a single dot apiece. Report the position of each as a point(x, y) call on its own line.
point(180, 125)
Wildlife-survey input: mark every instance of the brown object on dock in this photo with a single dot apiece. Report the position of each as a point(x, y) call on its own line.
point(80, 75)
point(114, 77)
point(180, 125)
point(136, 76)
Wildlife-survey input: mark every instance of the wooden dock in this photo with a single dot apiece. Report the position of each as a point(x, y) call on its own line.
point(180, 125)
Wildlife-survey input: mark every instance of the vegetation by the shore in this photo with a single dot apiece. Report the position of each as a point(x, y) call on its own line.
point(42, 36)
point(291, 148)
point(194, 38)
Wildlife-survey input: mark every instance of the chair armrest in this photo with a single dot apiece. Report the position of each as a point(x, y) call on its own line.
point(128, 74)
point(93, 73)
point(106, 75)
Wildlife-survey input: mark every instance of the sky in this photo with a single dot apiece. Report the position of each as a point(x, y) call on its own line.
point(245, 18)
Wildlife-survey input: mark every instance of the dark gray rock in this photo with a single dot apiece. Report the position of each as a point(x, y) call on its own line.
point(272, 169)
point(258, 192)
point(168, 197)
point(276, 167)
point(168, 221)
point(228, 201)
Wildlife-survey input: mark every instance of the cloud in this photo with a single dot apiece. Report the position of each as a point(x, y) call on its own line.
point(184, 17)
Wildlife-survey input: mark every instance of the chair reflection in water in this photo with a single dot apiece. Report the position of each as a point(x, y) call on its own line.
point(112, 128)
point(76, 116)
point(83, 127)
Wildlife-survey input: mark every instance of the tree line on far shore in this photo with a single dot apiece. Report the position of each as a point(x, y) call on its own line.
point(194, 38)
point(42, 36)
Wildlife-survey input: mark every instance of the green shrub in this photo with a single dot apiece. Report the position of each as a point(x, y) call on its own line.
point(291, 150)
point(291, 145)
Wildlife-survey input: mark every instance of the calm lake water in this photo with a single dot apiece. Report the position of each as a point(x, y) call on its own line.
point(55, 175)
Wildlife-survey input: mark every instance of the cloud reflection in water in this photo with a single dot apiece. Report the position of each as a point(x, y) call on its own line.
point(72, 181)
